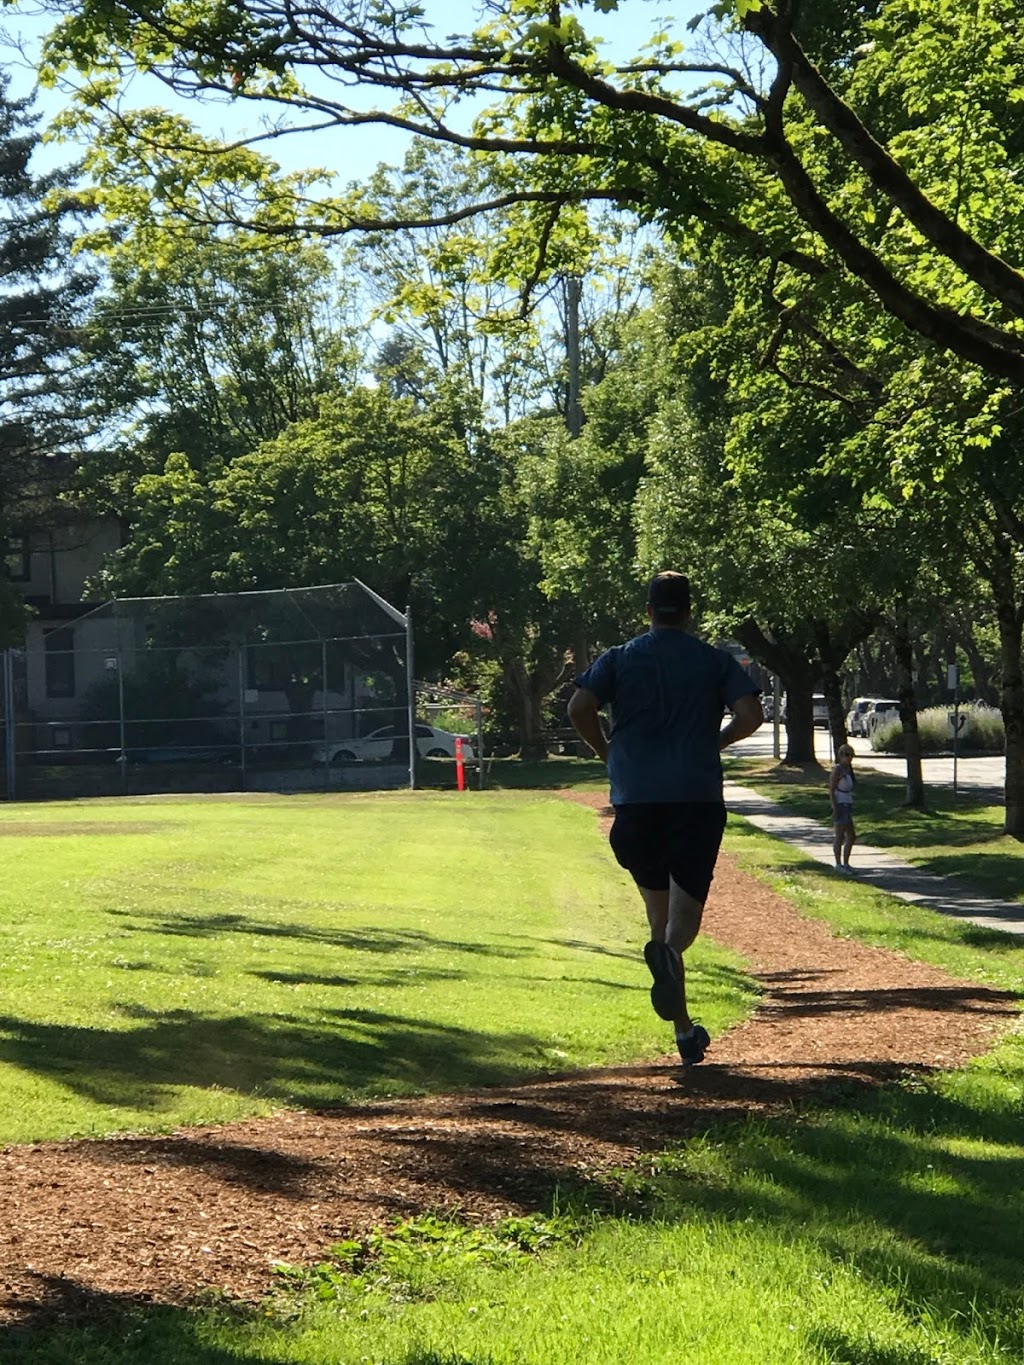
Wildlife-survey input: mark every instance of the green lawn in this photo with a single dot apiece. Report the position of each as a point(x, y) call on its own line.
point(182, 961)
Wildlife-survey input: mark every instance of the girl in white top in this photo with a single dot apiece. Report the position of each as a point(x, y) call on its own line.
point(840, 789)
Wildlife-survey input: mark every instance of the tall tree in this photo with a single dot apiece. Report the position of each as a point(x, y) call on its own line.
point(399, 494)
point(208, 344)
point(42, 295)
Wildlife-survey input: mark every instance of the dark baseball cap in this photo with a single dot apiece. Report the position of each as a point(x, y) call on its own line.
point(668, 593)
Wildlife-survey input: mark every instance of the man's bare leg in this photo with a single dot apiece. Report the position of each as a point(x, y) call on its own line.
point(674, 918)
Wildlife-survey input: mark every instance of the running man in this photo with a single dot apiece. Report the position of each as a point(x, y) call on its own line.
point(667, 692)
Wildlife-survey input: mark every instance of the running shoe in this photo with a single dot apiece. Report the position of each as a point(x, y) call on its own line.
point(693, 1047)
point(666, 993)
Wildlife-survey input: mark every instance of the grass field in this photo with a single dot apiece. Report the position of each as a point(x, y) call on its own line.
point(224, 956)
point(169, 961)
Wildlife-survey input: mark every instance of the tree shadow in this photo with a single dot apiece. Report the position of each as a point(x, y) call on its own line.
point(346, 1052)
point(843, 1348)
point(909, 1185)
point(937, 1000)
point(994, 871)
point(68, 1323)
point(364, 938)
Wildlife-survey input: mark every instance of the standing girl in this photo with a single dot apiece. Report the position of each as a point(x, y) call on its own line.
point(840, 789)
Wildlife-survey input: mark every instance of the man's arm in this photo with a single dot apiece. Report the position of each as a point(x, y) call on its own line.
point(747, 717)
point(585, 718)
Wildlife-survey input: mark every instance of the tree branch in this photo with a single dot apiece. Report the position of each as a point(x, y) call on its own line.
point(988, 270)
point(989, 347)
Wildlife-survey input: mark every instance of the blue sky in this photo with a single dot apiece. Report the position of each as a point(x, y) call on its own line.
point(351, 153)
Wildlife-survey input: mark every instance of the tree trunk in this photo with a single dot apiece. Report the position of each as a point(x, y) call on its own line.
point(799, 720)
point(797, 673)
point(529, 685)
point(904, 649)
point(528, 708)
point(831, 688)
point(1010, 618)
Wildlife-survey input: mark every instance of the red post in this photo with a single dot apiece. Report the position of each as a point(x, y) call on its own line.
point(460, 766)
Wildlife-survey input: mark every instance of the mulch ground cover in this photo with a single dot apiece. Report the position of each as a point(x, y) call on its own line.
point(158, 1219)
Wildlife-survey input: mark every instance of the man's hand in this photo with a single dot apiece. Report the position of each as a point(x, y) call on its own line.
point(747, 716)
point(585, 719)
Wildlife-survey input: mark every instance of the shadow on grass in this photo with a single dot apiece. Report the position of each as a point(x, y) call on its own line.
point(73, 1324)
point(340, 1054)
point(1000, 875)
point(882, 815)
point(915, 1189)
point(549, 775)
point(843, 1348)
point(284, 1057)
point(363, 938)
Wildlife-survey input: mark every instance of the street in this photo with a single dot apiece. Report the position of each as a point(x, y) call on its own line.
point(973, 774)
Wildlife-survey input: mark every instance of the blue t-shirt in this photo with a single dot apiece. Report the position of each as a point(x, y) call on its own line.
point(667, 692)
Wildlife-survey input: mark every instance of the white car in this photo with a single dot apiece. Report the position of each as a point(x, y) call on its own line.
point(867, 712)
point(379, 744)
point(880, 714)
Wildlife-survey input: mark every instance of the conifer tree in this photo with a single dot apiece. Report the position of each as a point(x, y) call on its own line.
point(41, 295)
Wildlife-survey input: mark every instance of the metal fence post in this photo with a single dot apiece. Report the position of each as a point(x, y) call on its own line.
point(480, 743)
point(411, 690)
point(323, 689)
point(123, 756)
point(10, 733)
point(241, 717)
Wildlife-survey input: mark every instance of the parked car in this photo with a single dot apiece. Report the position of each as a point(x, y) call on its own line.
point(877, 711)
point(863, 707)
point(859, 708)
point(820, 706)
point(379, 744)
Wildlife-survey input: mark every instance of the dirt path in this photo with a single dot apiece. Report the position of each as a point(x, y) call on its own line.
point(83, 1224)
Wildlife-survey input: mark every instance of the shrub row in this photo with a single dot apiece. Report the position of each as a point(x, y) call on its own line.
point(982, 729)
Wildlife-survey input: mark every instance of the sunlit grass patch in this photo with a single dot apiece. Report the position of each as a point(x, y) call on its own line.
point(192, 961)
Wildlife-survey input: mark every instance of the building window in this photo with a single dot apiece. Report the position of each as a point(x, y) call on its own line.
point(17, 559)
point(59, 646)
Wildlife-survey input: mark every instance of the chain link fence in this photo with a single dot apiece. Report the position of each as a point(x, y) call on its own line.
point(300, 688)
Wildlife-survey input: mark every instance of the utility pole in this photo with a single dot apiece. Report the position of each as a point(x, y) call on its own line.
point(573, 407)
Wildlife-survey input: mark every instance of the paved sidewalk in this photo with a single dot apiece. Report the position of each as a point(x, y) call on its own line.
point(877, 867)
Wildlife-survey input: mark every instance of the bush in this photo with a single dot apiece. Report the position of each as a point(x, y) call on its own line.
point(983, 729)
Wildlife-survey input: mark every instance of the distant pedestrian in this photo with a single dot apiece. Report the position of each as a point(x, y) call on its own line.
point(840, 788)
point(667, 693)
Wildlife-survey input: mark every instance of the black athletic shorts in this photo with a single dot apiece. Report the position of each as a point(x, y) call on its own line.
point(654, 840)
